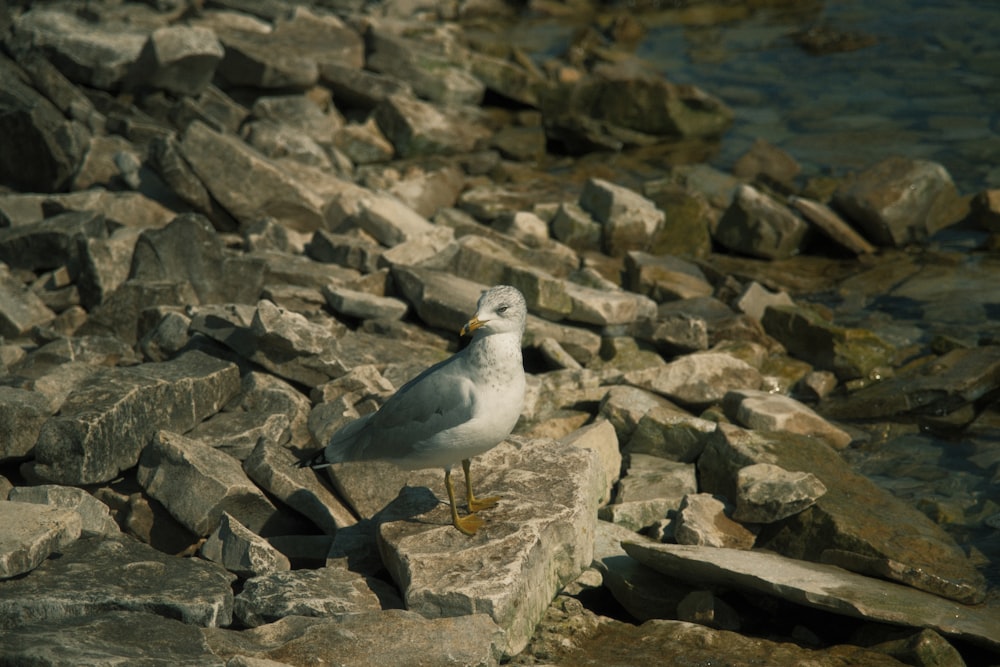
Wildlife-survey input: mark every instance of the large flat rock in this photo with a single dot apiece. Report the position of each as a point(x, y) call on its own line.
point(822, 586)
point(539, 537)
point(29, 533)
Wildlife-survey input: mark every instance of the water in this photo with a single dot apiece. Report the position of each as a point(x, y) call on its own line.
point(929, 87)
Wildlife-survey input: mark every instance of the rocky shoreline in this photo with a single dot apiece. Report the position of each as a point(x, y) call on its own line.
point(227, 228)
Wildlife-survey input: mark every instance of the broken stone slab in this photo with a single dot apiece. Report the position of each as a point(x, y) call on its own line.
point(629, 221)
point(538, 538)
point(417, 128)
point(418, 250)
point(366, 640)
point(670, 433)
point(674, 335)
point(650, 489)
point(576, 228)
point(607, 307)
point(764, 411)
point(855, 524)
point(600, 438)
point(582, 344)
point(330, 591)
point(756, 298)
point(832, 225)
point(956, 379)
point(237, 433)
point(273, 468)
point(387, 219)
point(850, 353)
point(704, 519)
point(766, 493)
point(180, 59)
point(664, 277)
point(22, 413)
point(96, 575)
point(900, 200)
point(757, 225)
point(246, 184)
point(625, 406)
point(108, 638)
point(698, 379)
point(95, 518)
point(822, 586)
point(52, 242)
point(197, 483)
point(96, 434)
point(440, 299)
point(30, 533)
point(364, 306)
point(241, 551)
point(21, 309)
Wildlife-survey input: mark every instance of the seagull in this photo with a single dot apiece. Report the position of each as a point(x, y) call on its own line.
point(456, 409)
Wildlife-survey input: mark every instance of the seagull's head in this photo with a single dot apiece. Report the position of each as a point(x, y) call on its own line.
point(501, 309)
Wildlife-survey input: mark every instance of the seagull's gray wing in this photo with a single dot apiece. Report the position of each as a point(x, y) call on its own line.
point(419, 414)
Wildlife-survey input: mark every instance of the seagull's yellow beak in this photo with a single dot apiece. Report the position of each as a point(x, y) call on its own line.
point(472, 325)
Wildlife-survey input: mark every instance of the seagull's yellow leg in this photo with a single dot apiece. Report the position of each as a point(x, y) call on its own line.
point(468, 525)
point(475, 504)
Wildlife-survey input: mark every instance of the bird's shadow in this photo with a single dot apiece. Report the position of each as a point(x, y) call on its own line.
point(410, 503)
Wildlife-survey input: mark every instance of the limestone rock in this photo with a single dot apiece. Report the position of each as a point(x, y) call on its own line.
point(180, 59)
point(766, 493)
point(670, 433)
point(94, 515)
point(96, 575)
point(761, 410)
point(899, 201)
point(664, 277)
point(538, 538)
point(821, 586)
point(240, 551)
point(625, 406)
point(650, 489)
point(417, 128)
point(697, 379)
point(600, 438)
point(850, 353)
point(328, 591)
point(832, 225)
point(197, 484)
point(22, 414)
point(52, 242)
point(881, 536)
point(628, 219)
point(756, 225)
point(20, 308)
point(576, 228)
point(367, 640)
point(703, 519)
point(29, 533)
point(96, 434)
point(433, 76)
point(108, 637)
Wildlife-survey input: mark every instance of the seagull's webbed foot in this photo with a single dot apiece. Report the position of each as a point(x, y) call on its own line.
point(468, 524)
point(475, 504)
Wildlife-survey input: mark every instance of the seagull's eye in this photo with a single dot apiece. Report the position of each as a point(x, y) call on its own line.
point(502, 309)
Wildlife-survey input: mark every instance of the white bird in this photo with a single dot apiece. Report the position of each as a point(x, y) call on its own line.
point(454, 410)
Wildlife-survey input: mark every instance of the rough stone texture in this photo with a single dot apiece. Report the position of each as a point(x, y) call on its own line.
point(96, 436)
point(703, 519)
point(197, 483)
point(367, 640)
point(670, 433)
point(900, 200)
point(664, 277)
point(416, 128)
point(628, 219)
point(651, 488)
point(539, 537)
point(22, 414)
point(600, 438)
point(29, 533)
point(240, 551)
point(881, 536)
point(832, 225)
point(697, 379)
point(765, 411)
point(20, 308)
point(758, 226)
point(180, 59)
point(328, 591)
point(766, 493)
point(94, 515)
point(850, 353)
point(821, 586)
point(137, 638)
point(96, 575)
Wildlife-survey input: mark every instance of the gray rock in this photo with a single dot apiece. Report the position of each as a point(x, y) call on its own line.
point(756, 298)
point(757, 225)
point(664, 277)
point(30, 533)
point(650, 489)
point(347, 250)
point(537, 539)
point(359, 87)
point(119, 314)
point(823, 587)
point(674, 335)
point(22, 414)
point(629, 221)
point(104, 265)
point(236, 548)
point(364, 143)
point(765, 411)
point(96, 435)
point(670, 433)
point(766, 493)
point(367, 640)
point(178, 58)
point(96, 575)
point(138, 638)
point(325, 592)
point(20, 308)
point(625, 406)
point(704, 519)
point(94, 515)
point(301, 114)
point(440, 299)
point(899, 201)
point(832, 225)
point(850, 353)
point(607, 307)
point(581, 344)
point(197, 483)
point(52, 242)
point(697, 379)
point(416, 128)
point(576, 228)
point(273, 469)
point(600, 438)
point(421, 249)
point(705, 608)
point(881, 536)
point(237, 433)
point(226, 166)
point(387, 219)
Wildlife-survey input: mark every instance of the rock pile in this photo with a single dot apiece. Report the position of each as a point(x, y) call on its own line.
point(227, 228)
